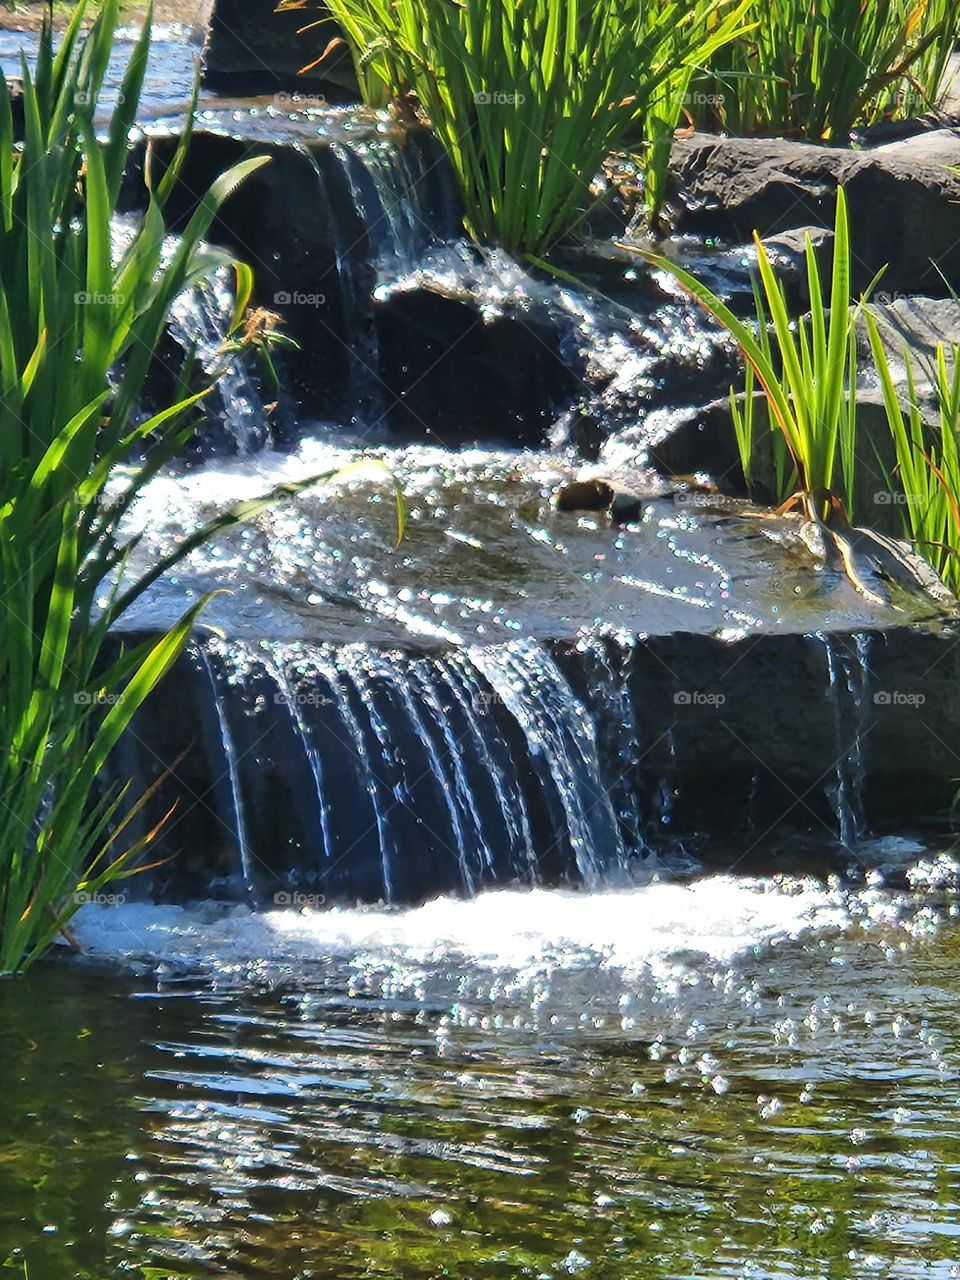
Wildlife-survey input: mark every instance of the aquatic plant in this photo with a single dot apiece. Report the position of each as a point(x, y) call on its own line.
point(817, 70)
point(806, 370)
point(78, 332)
point(529, 97)
point(928, 457)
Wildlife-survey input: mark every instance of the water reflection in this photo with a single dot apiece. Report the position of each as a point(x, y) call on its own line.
point(788, 1111)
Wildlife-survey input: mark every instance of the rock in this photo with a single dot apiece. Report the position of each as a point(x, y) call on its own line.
point(902, 196)
point(450, 371)
point(626, 508)
point(585, 495)
point(252, 49)
point(788, 251)
point(704, 439)
point(596, 494)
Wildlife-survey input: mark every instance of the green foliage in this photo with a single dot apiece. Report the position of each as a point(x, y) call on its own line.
point(818, 69)
point(77, 334)
point(529, 97)
point(928, 459)
point(806, 370)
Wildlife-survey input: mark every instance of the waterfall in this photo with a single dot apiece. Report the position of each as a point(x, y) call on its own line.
point(460, 679)
point(562, 742)
point(385, 182)
point(237, 817)
point(334, 670)
point(199, 321)
point(290, 696)
point(848, 682)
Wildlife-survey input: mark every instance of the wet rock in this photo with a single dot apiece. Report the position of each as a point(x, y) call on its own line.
point(788, 251)
point(626, 507)
point(252, 49)
point(704, 438)
point(596, 494)
point(451, 373)
point(296, 223)
point(902, 195)
point(727, 742)
point(585, 495)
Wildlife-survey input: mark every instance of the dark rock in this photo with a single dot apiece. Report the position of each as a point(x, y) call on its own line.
point(704, 439)
point(252, 49)
point(295, 222)
point(746, 738)
point(585, 495)
point(902, 196)
point(596, 494)
point(450, 372)
point(626, 507)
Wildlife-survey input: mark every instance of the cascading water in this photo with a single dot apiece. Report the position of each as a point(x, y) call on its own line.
point(200, 321)
point(237, 818)
point(849, 676)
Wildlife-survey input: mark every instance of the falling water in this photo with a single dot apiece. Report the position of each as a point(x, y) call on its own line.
point(849, 677)
point(562, 741)
point(461, 679)
point(607, 662)
point(290, 696)
point(387, 182)
point(238, 820)
point(200, 321)
point(357, 333)
point(333, 670)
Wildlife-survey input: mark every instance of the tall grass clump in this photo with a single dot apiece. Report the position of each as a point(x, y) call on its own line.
point(78, 331)
point(529, 97)
point(817, 68)
point(806, 370)
point(928, 457)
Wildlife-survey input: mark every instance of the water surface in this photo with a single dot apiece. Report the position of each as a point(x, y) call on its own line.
point(734, 1079)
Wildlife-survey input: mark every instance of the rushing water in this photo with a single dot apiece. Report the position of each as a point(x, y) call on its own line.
point(729, 1080)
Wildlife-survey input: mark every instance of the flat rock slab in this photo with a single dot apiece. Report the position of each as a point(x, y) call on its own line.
point(903, 198)
point(487, 557)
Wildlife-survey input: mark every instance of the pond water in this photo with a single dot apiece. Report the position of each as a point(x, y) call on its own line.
point(730, 1079)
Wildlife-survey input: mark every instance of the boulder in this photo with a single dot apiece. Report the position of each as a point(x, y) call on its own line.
point(445, 366)
point(253, 49)
point(903, 198)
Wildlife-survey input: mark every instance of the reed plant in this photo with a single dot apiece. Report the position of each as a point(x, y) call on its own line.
point(817, 68)
point(78, 332)
point(806, 370)
point(928, 457)
point(529, 97)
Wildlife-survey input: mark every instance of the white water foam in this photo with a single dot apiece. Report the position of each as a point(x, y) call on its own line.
point(633, 930)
